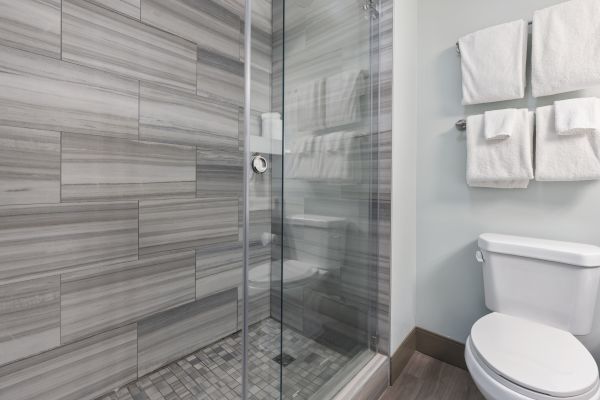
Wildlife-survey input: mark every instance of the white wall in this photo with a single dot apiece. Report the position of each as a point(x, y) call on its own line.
point(450, 216)
point(404, 141)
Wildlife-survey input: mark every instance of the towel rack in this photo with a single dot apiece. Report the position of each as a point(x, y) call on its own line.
point(458, 46)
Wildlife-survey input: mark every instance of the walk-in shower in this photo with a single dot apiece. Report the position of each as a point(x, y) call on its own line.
point(190, 198)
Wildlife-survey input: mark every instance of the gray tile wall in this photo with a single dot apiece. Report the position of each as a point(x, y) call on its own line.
point(120, 187)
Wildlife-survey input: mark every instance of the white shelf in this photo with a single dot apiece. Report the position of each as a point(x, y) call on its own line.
point(259, 144)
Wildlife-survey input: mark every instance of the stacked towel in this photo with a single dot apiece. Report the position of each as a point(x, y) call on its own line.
point(577, 116)
point(564, 157)
point(305, 107)
point(566, 47)
point(505, 164)
point(343, 98)
point(494, 63)
point(500, 124)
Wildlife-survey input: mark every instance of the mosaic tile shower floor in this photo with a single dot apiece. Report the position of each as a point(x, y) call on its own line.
point(213, 373)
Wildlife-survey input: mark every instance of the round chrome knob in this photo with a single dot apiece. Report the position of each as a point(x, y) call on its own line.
point(259, 164)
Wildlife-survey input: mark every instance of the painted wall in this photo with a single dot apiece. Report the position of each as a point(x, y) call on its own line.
point(450, 216)
point(404, 141)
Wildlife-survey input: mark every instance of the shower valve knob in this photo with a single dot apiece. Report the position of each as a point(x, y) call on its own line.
point(259, 164)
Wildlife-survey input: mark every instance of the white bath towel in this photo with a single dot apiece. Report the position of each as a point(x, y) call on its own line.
point(577, 116)
point(564, 157)
point(343, 93)
point(505, 164)
point(309, 104)
point(500, 124)
point(494, 63)
point(566, 47)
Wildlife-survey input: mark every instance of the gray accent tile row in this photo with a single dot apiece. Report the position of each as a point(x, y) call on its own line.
point(171, 116)
point(80, 371)
point(102, 39)
point(206, 23)
point(42, 93)
point(32, 25)
point(171, 335)
point(47, 239)
point(218, 267)
point(183, 224)
point(29, 318)
point(102, 298)
point(99, 168)
point(30, 166)
point(131, 8)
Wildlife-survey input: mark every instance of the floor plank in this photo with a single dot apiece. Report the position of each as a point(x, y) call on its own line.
point(426, 378)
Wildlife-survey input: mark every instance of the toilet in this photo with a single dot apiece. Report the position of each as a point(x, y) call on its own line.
point(541, 293)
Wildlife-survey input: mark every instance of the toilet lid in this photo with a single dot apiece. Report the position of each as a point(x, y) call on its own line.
point(535, 356)
point(294, 272)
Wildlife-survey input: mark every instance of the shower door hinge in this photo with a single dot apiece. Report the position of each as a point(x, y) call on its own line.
point(374, 343)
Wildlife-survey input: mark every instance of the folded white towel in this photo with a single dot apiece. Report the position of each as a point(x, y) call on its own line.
point(500, 124)
point(577, 116)
point(343, 93)
point(494, 63)
point(311, 105)
point(564, 157)
point(566, 47)
point(506, 164)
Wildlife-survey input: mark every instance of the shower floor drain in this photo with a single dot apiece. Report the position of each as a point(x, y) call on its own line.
point(284, 359)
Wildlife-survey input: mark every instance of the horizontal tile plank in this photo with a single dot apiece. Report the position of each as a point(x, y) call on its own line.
point(131, 8)
point(220, 77)
point(42, 93)
point(30, 162)
point(102, 39)
point(218, 267)
point(46, 239)
point(180, 224)
point(79, 371)
point(98, 299)
point(29, 318)
point(97, 168)
point(172, 116)
point(219, 171)
point(176, 333)
point(31, 25)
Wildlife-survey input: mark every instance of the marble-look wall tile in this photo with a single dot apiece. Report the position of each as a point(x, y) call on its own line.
point(30, 166)
point(171, 335)
point(98, 299)
point(97, 168)
point(42, 93)
point(219, 170)
point(31, 25)
point(220, 78)
point(184, 224)
point(172, 116)
point(218, 267)
point(29, 318)
point(44, 239)
point(207, 23)
point(131, 8)
point(102, 39)
point(79, 371)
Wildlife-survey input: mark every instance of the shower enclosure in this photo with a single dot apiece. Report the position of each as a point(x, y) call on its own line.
point(190, 198)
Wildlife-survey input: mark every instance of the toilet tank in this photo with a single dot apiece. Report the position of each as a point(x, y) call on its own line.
point(551, 282)
point(316, 239)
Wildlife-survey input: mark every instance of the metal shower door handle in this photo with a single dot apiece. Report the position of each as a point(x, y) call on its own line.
point(259, 164)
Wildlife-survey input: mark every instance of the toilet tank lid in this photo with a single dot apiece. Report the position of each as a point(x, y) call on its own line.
point(316, 221)
point(583, 255)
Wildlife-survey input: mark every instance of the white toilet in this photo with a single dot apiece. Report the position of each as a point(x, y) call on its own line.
point(542, 293)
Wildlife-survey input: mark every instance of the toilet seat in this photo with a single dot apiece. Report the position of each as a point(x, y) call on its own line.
point(513, 358)
point(295, 274)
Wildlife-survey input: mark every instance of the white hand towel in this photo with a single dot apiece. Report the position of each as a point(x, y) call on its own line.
point(506, 164)
point(494, 63)
point(500, 124)
point(566, 47)
point(564, 157)
point(343, 93)
point(311, 106)
point(577, 116)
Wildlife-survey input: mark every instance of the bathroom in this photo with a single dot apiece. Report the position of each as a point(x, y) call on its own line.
point(266, 199)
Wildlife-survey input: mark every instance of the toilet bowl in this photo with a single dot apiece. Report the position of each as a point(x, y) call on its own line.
point(541, 293)
point(296, 274)
point(510, 358)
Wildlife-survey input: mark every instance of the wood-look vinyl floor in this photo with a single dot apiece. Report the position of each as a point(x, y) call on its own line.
point(426, 378)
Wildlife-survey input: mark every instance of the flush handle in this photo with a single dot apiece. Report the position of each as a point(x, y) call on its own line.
point(479, 256)
point(259, 164)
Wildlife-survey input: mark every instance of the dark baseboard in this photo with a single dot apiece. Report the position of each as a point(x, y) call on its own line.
point(401, 357)
point(440, 347)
